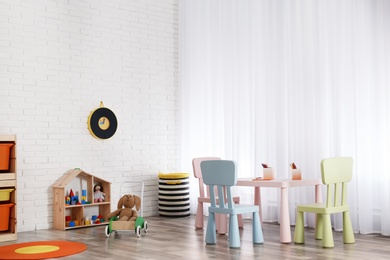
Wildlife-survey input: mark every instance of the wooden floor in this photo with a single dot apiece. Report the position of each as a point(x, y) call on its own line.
point(176, 238)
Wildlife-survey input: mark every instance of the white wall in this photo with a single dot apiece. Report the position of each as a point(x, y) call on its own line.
point(58, 60)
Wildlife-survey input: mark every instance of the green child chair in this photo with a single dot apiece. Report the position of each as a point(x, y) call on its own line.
point(336, 173)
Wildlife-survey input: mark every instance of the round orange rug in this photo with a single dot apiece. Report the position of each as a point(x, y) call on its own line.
point(41, 249)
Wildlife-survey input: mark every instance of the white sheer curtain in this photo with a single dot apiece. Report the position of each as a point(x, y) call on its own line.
point(290, 81)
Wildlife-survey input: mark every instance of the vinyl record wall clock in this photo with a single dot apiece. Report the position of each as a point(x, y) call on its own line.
point(102, 122)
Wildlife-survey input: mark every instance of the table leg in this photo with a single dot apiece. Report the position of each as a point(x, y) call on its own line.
point(258, 203)
point(285, 231)
point(222, 223)
point(318, 193)
point(318, 199)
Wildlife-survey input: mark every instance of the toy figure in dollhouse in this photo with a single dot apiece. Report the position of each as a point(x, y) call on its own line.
point(98, 194)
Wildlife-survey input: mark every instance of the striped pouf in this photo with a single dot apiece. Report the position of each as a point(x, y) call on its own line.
point(174, 195)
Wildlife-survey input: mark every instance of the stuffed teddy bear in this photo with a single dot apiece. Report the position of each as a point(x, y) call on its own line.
point(125, 210)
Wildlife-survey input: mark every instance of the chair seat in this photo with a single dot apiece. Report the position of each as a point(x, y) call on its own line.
point(207, 199)
point(238, 209)
point(321, 208)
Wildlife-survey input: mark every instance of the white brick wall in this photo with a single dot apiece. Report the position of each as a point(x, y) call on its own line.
point(58, 60)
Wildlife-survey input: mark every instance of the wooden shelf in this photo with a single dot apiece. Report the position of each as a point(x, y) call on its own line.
point(78, 180)
point(8, 180)
point(87, 226)
point(87, 205)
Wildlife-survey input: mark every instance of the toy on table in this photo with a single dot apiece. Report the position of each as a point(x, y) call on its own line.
point(295, 172)
point(268, 172)
point(98, 194)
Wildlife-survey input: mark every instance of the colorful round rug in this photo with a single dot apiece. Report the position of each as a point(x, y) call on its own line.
point(41, 249)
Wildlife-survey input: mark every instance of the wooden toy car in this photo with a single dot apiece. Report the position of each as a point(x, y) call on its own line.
point(115, 225)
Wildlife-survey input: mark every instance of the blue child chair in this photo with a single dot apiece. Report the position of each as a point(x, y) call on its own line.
point(222, 175)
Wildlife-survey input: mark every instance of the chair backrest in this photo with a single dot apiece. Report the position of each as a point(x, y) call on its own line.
point(203, 191)
point(336, 173)
point(222, 175)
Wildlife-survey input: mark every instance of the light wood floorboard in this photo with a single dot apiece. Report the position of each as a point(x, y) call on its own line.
point(176, 238)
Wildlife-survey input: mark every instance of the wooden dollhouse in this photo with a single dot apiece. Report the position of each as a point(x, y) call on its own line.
point(78, 211)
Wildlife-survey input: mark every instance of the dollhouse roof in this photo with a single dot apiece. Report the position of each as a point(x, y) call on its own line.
point(67, 177)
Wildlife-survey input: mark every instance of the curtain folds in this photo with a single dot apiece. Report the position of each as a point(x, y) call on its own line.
point(276, 82)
